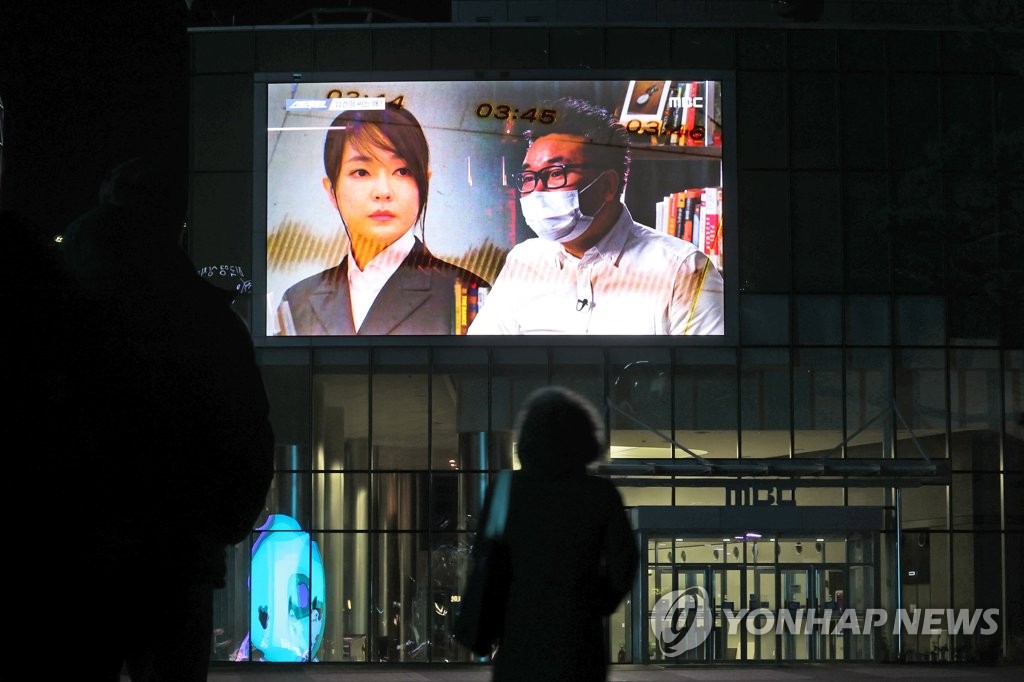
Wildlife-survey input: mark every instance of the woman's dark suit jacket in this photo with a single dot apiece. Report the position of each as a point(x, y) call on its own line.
point(418, 299)
point(572, 557)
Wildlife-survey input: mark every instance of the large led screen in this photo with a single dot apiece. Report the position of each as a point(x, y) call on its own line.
point(496, 208)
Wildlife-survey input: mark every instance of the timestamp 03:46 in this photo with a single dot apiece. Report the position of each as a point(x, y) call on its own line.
point(505, 112)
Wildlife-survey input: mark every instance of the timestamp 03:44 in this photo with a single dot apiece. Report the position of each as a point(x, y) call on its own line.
point(337, 93)
point(506, 112)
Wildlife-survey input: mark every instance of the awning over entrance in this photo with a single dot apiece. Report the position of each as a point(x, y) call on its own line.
point(774, 519)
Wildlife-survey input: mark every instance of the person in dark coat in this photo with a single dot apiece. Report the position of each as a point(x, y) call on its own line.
point(173, 453)
point(572, 554)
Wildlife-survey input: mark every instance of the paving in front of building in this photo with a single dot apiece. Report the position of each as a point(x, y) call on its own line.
point(867, 672)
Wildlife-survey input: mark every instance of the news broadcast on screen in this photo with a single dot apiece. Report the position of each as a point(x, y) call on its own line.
point(504, 207)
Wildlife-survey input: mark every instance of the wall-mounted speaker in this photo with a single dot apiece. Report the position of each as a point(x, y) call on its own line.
point(915, 557)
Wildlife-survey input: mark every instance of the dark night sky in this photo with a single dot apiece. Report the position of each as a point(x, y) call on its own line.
point(86, 87)
point(83, 89)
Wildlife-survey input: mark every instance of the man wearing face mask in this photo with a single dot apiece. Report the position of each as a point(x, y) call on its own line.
point(592, 269)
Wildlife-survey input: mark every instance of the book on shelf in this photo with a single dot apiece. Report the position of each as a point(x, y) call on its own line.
point(689, 115)
point(694, 215)
point(699, 138)
point(460, 298)
point(691, 199)
point(461, 309)
point(481, 296)
point(661, 215)
point(676, 119)
point(670, 213)
point(468, 300)
point(715, 249)
point(712, 115)
point(711, 211)
point(667, 116)
point(472, 303)
point(697, 238)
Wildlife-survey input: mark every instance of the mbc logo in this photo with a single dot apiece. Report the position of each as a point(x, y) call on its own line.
point(686, 102)
point(682, 620)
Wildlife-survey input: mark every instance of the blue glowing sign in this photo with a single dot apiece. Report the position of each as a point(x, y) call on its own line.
point(287, 605)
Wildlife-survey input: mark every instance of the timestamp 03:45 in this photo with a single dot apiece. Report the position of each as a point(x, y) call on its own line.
point(505, 112)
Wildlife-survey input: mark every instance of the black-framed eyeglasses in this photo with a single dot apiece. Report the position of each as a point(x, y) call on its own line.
point(554, 176)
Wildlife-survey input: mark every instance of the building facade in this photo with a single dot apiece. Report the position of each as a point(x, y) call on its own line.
point(852, 442)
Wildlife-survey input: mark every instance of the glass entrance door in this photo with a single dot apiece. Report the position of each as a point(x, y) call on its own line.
point(696, 577)
point(795, 585)
point(668, 581)
point(771, 589)
point(814, 590)
point(728, 585)
point(762, 602)
point(661, 581)
point(831, 591)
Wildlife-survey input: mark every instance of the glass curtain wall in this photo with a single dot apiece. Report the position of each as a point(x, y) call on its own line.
point(384, 454)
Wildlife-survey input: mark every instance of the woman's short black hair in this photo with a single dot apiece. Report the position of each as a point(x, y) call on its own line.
point(393, 128)
point(558, 430)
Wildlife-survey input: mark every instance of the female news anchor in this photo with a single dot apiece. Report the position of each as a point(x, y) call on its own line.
point(377, 177)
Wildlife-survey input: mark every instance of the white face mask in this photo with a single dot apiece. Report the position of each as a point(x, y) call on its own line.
point(556, 215)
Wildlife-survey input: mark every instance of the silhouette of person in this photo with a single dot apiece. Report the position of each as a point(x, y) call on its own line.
point(571, 554)
point(34, 284)
point(174, 453)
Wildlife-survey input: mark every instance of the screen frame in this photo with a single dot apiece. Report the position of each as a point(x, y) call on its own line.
point(730, 210)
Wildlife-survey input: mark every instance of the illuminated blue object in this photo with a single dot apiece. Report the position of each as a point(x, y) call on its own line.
point(287, 593)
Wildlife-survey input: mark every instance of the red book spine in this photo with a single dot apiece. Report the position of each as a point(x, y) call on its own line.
point(670, 214)
point(689, 213)
point(680, 214)
point(696, 139)
point(710, 221)
point(472, 303)
point(691, 115)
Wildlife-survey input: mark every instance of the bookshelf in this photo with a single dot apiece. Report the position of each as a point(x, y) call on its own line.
point(643, 151)
point(675, 180)
point(656, 171)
